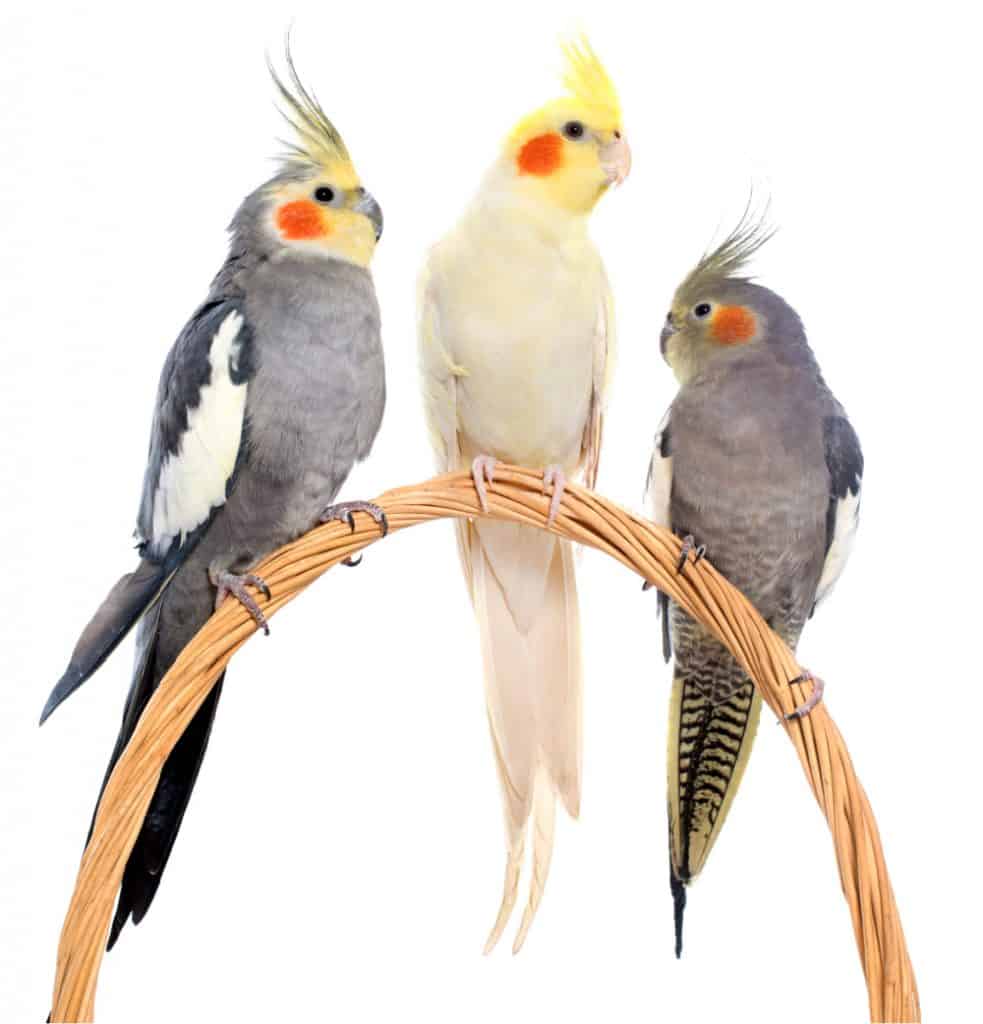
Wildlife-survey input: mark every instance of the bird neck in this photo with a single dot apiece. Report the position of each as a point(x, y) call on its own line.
point(503, 199)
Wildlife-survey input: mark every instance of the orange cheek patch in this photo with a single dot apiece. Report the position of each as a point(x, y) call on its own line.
point(300, 219)
point(541, 155)
point(733, 325)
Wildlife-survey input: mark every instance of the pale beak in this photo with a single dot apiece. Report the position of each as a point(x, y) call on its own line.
point(616, 160)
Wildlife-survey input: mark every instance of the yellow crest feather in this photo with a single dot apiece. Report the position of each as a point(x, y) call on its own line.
point(587, 80)
point(318, 143)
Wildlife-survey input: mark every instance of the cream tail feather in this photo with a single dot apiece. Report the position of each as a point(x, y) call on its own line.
point(525, 599)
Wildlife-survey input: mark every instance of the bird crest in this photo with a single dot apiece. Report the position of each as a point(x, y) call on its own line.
point(587, 81)
point(318, 144)
point(728, 261)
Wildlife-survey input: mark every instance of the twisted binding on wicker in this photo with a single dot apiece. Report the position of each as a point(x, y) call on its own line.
point(586, 517)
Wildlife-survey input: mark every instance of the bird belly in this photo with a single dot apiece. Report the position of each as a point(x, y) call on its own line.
point(528, 380)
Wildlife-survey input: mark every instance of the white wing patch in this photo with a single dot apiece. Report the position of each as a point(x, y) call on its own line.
point(844, 532)
point(658, 486)
point(193, 479)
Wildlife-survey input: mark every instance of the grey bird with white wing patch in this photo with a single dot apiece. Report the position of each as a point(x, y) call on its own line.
point(272, 392)
point(755, 462)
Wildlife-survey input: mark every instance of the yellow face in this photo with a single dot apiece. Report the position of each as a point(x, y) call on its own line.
point(568, 154)
point(695, 332)
point(328, 213)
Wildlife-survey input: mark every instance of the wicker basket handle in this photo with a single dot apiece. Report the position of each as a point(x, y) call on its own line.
point(586, 517)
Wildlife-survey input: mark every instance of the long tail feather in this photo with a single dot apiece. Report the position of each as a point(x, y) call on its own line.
point(714, 716)
point(154, 842)
point(678, 890)
point(150, 854)
point(510, 893)
point(544, 824)
point(123, 606)
point(525, 600)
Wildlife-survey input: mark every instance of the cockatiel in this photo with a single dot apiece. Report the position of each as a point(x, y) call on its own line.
point(273, 390)
point(516, 342)
point(756, 462)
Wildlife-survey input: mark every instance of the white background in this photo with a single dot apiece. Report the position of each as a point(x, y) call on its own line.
point(342, 856)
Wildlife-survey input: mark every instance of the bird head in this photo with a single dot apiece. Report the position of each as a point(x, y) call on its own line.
point(316, 203)
point(570, 151)
point(718, 314)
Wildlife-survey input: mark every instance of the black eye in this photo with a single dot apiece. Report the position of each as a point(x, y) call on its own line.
point(702, 310)
point(573, 130)
point(323, 194)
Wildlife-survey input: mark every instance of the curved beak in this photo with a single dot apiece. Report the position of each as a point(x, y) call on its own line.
point(667, 332)
point(368, 207)
point(616, 160)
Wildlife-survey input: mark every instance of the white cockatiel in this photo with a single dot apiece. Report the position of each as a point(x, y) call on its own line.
point(516, 339)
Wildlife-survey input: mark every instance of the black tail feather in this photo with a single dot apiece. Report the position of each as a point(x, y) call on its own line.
point(150, 853)
point(678, 889)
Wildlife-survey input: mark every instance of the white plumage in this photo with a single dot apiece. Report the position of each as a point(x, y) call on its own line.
point(845, 526)
point(193, 479)
point(658, 485)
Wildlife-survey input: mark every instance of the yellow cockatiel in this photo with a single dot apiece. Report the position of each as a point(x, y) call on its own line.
point(516, 340)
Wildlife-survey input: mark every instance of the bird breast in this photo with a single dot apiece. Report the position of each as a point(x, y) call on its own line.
point(523, 325)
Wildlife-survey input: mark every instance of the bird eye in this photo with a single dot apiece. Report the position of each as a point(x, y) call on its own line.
point(323, 194)
point(701, 310)
point(573, 130)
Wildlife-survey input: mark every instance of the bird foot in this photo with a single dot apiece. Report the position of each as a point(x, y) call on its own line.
point(344, 512)
point(483, 469)
point(227, 583)
point(689, 544)
point(818, 686)
point(553, 476)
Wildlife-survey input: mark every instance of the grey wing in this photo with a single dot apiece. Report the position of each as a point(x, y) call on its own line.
point(658, 496)
point(845, 463)
point(196, 442)
point(198, 433)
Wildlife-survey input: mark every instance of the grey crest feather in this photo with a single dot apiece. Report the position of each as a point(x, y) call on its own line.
point(729, 259)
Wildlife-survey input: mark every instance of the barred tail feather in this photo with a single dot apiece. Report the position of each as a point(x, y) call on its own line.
point(709, 745)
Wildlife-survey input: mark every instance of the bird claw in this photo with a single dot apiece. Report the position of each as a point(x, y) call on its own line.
point(227, 583)
point(344, 512)
point(482, 469)
point(689, 544)
point(351, 561)
point(818, 686)
point(553, 476)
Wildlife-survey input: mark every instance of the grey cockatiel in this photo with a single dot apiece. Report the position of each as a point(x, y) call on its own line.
point(273, 390)
point(756, 461)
